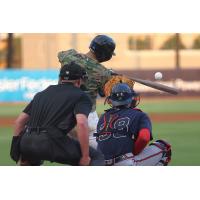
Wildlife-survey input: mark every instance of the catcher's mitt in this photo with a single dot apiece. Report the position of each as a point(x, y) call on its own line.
point(114, 80)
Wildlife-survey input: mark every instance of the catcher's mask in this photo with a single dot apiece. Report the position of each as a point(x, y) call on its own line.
point(123, 95)
point(103, 47)
point(72, 71)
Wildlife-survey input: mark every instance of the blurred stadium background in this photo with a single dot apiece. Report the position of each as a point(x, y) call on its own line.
point(28, 63)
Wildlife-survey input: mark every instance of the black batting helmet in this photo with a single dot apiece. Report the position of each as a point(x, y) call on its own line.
point(103, 47)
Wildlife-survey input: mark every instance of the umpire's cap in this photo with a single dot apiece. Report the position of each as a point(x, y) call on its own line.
point(72, 71)
point(103, 47)
point(121, 94)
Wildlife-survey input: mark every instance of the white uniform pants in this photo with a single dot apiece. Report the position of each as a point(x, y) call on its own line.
point(92, 123)
point(150, 156)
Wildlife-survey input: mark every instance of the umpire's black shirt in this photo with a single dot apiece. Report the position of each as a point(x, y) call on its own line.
point(57, 106)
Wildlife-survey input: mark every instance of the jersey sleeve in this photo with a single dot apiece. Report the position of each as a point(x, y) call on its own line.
point(83, 106)
point(66, 57)
point(105, 76)
point(27, 109)
point(145, 122)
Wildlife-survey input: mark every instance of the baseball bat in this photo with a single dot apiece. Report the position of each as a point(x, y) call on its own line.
point(155, 85)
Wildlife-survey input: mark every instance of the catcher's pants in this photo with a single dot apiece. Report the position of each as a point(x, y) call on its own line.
point(55, 147)
point(92, 123)
point(151, 156)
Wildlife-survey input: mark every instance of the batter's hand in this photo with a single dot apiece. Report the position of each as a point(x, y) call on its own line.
point(85, 161)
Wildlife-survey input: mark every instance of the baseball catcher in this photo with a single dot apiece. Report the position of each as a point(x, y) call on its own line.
point(123, 132)
point(101, 49)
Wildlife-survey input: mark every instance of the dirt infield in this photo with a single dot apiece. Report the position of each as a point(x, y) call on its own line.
point(7, 121)
point(164, 117)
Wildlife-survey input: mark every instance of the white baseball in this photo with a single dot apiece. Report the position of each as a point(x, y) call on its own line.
point(158, 75)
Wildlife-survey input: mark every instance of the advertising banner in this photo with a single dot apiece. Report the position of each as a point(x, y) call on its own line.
point(22, 85)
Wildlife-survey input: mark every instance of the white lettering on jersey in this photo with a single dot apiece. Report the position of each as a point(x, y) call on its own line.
point(121, 125)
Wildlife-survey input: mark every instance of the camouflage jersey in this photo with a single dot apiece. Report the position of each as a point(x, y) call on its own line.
point(98, 75)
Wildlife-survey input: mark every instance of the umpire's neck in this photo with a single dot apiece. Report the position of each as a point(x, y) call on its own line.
point(76, 83)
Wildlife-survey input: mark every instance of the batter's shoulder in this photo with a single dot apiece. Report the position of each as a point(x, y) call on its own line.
point(63, 54)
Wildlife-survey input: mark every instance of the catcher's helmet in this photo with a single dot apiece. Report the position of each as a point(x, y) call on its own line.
point(72, 71)
point(121, 94)
point(103, 47)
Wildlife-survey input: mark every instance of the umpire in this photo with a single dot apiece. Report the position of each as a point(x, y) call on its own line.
point(41, 129)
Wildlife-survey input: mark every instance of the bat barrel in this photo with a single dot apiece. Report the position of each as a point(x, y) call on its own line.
point(155, 85)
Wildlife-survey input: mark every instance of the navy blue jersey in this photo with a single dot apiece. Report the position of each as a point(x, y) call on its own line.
point(117, 130)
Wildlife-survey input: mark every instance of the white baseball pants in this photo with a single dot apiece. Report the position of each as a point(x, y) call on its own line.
point(150, 156)
point(92, 123)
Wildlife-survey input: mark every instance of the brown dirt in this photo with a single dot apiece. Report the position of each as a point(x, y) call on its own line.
point(7, 121)
point(166, 117)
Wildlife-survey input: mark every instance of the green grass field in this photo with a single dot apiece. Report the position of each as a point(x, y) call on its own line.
point(183, 136)
point(165, 106)
point(149, 106)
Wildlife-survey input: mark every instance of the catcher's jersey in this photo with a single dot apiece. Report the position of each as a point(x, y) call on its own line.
point(117, 130)
point(98, 75)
